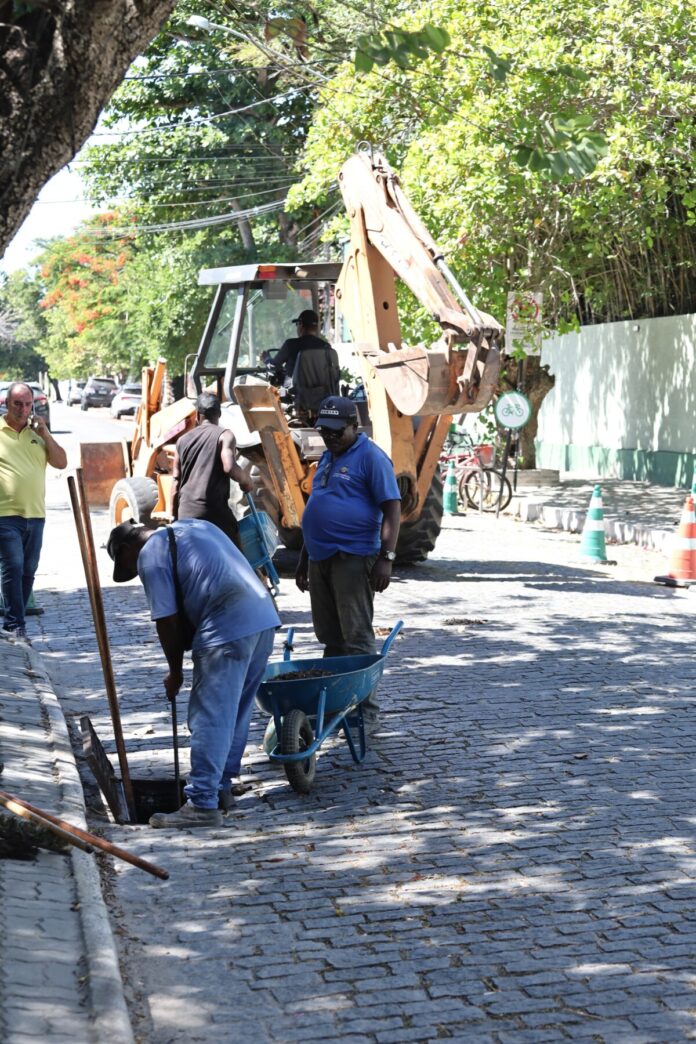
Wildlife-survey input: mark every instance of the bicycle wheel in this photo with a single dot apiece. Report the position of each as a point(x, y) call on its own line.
point(481, 489)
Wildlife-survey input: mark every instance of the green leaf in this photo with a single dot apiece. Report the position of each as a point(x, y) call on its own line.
point(559, 164)
point(522, 155)
point(363, 62)
point(437, 38)
point(538, 160)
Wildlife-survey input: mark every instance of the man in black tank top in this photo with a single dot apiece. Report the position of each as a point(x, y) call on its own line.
point(205, 462)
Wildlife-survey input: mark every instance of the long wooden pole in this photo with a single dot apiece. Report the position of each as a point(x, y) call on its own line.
point(86, 540)
point(37, 817)
point(77, 834)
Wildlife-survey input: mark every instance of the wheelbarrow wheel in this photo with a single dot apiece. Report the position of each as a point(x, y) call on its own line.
point(296, 736)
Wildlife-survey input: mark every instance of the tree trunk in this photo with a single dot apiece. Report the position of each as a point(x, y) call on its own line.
point(60, 62)
point(245, 230)
point(538, 382)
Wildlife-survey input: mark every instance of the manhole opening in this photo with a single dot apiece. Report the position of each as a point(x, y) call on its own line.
point(156, 795)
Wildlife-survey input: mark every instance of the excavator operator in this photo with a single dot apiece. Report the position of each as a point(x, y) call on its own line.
point(311, 364)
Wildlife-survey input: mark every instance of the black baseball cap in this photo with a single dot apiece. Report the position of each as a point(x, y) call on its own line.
point(335, 412)
point(307, 318)
point(118, 539)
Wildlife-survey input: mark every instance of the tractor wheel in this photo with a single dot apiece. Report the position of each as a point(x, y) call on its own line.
point(417, 539)
point(297, 735)
point(133, 498)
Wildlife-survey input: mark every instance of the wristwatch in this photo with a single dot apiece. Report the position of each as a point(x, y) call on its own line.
point(389, 555)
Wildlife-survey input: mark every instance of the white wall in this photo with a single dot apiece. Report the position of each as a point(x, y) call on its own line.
point(629, 385)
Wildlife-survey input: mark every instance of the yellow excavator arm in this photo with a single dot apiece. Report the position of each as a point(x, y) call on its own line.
point(459, 372)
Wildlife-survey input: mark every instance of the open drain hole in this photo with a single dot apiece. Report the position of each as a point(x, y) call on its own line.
point(156, 795)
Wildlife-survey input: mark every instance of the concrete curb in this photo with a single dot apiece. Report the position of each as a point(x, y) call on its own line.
point(536, 509)
point(109, 1012)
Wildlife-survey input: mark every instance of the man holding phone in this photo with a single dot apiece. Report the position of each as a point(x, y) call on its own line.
point(26, 447)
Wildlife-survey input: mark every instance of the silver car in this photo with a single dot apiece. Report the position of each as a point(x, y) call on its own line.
point(126, 400)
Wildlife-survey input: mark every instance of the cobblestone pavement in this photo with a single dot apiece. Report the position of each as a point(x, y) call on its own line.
point(59, 978)
point(514, 861)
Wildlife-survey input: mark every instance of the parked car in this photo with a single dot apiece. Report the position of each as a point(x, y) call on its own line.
point(98, 391)
point(41, 404)
point(126, 400)
point(74, 396)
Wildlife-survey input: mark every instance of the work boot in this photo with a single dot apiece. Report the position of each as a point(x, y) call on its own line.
point(20, 635)
point(188, 817)
point(225, 799)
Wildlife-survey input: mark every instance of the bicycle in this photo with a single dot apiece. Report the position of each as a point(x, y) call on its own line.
point(480, 485)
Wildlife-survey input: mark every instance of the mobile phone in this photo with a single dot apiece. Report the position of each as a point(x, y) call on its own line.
point(32, 421)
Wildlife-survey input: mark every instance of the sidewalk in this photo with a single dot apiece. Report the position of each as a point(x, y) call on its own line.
point(59, 974)
point(634, 512)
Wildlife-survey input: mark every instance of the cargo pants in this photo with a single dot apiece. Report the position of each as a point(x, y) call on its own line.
point(343, 607)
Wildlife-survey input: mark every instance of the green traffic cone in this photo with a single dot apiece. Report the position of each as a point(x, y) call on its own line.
point(450, 500)
point(32, 608)
point(593, 547)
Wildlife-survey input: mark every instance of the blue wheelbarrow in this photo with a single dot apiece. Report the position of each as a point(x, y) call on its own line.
point(306, 709)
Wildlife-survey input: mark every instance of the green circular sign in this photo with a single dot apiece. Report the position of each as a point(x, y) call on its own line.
point(513, 410)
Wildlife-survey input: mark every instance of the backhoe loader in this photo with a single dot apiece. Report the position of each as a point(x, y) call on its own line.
point(412, 393)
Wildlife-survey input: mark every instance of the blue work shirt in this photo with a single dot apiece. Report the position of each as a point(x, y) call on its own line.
point(343, 511)
point(223, 597)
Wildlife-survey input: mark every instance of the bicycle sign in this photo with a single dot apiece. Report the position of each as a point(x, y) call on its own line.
point(513, 410)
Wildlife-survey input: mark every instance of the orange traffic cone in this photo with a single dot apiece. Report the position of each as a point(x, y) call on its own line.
point(682, 565)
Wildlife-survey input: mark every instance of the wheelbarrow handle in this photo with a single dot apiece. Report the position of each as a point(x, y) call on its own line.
point(387, 641)
point(288, 646)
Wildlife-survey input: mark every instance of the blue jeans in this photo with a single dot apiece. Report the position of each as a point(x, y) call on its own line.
point(225, 681)
point(20, 549)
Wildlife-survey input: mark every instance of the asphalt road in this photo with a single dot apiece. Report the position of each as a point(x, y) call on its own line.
point(514, 861)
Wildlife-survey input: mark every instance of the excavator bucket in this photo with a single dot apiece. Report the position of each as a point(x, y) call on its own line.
point(439, 380)
point(103, 464)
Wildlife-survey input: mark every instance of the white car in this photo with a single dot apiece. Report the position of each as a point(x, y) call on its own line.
point(126, 400)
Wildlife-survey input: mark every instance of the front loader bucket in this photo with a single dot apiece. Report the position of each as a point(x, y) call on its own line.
point(103, 464)
point(429, 382)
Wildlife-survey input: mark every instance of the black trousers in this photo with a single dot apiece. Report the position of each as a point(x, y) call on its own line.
point(343, 607)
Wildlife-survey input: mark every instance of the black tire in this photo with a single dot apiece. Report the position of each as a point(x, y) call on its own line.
point(133, 498)
point(417, 539)
point(485, 485)
point(297, 735)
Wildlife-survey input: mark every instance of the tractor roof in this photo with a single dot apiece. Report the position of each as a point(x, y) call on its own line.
point(285, 271)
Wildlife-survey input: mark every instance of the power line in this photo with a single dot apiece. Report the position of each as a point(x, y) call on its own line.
point(204, 120)
point(192, 224)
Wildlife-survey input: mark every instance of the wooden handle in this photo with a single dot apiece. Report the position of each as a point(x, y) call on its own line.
point(37, 817)
point(80, 507)
point(77, 834)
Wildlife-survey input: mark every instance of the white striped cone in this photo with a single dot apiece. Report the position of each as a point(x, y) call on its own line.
point(593, 547)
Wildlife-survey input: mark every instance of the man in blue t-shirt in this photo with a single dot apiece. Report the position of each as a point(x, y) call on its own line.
point(350, 527)
point(234, 620)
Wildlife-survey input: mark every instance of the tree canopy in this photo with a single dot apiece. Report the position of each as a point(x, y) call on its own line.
point(547, 148)
point(616, 243)
point(60, 61)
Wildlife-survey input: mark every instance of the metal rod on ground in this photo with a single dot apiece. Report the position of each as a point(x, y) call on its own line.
point(92, 839)
point(38, 817)
point(506, 452)
point(86, 540)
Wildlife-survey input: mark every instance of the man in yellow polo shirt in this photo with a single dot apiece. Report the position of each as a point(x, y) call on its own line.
point(26, 447)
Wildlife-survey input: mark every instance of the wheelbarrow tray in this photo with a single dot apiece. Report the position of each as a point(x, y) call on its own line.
point(331, 702)
point(351, 680)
